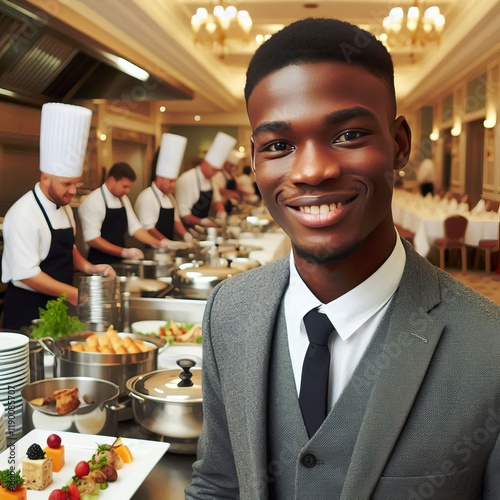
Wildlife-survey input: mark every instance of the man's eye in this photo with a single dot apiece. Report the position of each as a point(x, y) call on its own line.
point(277, 147)
point(350, 135)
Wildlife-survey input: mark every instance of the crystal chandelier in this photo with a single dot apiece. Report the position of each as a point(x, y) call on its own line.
point(417, 29)
point(225, 25)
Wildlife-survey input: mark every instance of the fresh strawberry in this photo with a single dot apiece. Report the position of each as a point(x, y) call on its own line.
point(59, 495)
point(73, 492)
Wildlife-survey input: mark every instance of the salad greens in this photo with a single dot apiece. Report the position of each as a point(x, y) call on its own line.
point(11, 480)
point(55, 321)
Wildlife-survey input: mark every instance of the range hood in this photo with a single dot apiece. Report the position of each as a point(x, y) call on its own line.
point(39, 63)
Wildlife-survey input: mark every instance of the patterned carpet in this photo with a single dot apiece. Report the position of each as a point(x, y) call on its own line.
point(486, 284)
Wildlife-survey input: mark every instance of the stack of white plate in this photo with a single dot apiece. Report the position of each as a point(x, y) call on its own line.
point(3, 440)
point(14, 376)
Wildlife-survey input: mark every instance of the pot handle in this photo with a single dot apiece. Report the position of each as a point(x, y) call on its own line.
point(136, 396)
point(114, 405)
point(49, 345)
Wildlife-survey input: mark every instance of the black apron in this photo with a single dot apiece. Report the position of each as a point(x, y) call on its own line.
point(230, 184)
point(201, 208)
point(20, 305)
point(113, 229)
point(165, 222)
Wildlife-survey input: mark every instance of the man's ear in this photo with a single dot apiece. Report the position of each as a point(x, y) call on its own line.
point(402, 139)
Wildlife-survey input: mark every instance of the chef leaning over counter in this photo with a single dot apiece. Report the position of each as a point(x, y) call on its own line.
point(155, 206)
point(195, 192)
point(39, 254)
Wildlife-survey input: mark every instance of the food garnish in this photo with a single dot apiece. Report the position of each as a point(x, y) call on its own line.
point(10, 480)
point(55, 321)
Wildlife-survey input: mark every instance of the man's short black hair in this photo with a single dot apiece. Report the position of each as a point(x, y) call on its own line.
point(318, 40)
point(120, 170)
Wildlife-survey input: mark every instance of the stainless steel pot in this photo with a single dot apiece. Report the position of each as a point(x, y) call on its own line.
point(100, 417)
point(144, 268)
point(117, 368)
point(197, 282)
point(169, 403)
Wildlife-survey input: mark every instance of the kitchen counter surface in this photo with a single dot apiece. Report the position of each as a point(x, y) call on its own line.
point(169, 477)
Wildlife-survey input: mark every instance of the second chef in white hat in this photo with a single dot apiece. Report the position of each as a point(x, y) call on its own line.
point(39, 254)
point(156, 206)
point(195, 192)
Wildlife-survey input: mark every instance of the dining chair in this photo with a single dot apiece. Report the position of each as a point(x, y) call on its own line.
point(455, 227)
point(489, 246)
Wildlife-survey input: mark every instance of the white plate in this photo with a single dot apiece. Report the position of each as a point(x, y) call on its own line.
point(168, 358)
point(79, 447)
point(12, 341)
point(150, 327)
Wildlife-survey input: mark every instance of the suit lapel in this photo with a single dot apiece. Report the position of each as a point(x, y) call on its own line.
point(409, 346)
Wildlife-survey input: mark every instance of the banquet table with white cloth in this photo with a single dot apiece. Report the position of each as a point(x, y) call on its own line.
point(425, 218)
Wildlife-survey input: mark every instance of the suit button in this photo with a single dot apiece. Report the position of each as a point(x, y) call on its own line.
point(308, 461)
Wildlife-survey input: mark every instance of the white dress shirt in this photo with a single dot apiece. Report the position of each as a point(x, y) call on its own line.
point(355, 315)
point(92, 212)
point(147, 209)
point(27, 236)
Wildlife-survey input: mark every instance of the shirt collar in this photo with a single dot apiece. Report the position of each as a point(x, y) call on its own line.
point(350, 311)
point(46, 203)
point(160, 193)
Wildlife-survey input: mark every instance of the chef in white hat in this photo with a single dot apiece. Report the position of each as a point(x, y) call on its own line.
point(156, 206)
point(39, 254)
point(225, 179)
point(107, 216)
point(195, 193)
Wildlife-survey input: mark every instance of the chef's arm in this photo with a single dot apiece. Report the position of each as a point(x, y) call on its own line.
point(105, 246)
point(145, 237)
point(156, 234)
point(82, 264)
point(192, 220)
point(182, 231)
point(43, 283)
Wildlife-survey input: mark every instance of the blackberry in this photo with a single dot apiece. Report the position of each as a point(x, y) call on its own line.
point(35, 452)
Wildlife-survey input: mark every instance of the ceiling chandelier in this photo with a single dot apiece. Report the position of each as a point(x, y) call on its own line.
point(226, 24)
point(417, 29)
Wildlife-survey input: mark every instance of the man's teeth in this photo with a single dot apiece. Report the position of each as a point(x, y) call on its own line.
point(320, 209)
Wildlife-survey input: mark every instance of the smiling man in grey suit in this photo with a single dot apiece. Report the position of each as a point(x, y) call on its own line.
point(413, 406)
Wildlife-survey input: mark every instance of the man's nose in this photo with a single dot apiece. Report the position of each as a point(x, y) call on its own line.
point(313, 163)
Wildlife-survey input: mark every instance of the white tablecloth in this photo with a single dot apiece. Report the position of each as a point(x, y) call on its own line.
point(425, 218)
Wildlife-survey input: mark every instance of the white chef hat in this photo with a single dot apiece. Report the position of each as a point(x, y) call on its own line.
point(64, 133)
point(171, 154)
point(234, 157)
point(219, 150)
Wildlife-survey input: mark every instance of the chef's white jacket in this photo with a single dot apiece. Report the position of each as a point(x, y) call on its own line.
point(27, 236)
point(147, 209)
point(187, 192)
point(92, 212)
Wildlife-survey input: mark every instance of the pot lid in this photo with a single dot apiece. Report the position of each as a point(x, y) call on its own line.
point(182, 385)
point(204, 274)
point(135, 284)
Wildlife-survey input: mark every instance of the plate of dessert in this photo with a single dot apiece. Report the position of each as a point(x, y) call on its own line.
point(99, 467)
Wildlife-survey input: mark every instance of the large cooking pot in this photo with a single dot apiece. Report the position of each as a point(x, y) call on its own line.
point(169, 403)
point(98, 416)
point(144, 268)
point(197, 282)
point(117, 368)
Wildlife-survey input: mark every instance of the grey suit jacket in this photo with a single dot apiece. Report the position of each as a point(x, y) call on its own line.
point(432, 422)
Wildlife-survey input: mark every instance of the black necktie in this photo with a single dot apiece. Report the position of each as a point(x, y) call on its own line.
point(313, 397)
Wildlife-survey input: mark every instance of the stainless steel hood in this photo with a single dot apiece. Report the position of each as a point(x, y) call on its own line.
point(41, 61)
